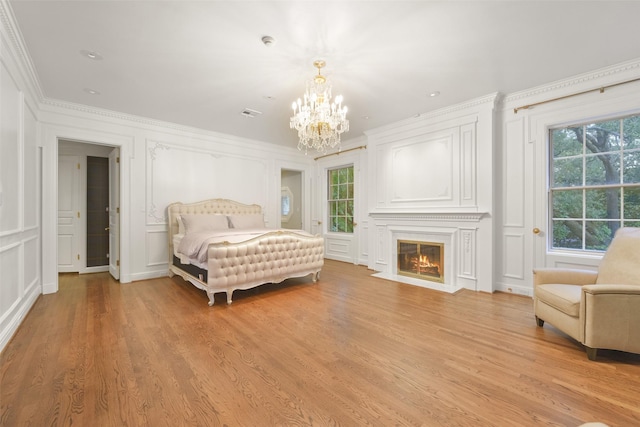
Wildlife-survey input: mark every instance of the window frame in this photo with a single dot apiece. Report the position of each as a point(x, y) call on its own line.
point(585, 186)
point(349, 217)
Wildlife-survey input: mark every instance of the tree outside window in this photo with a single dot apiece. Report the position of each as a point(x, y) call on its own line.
point(340, 199)
point(594, 182)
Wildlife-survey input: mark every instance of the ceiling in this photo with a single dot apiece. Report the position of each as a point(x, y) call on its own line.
point(201, 63)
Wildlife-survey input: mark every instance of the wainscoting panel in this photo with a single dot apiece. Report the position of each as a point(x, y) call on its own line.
point(513, 262)
point(31, 259)
point(157, 246)
point(10, 267)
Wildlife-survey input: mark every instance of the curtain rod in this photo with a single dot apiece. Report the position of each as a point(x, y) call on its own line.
point(601, 90)
point(340, 152)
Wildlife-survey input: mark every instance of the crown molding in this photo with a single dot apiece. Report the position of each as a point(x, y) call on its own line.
point(491, 100)
point(610, 72)
point(89, 112)
point(18, 49)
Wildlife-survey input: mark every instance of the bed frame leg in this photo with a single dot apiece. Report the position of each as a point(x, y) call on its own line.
point(229, 295)
point(315, 277)
point(211, 298)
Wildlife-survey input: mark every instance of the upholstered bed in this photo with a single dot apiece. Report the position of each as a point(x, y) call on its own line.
point(220, 245)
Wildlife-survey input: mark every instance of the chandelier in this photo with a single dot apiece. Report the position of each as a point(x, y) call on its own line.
point(319, 121)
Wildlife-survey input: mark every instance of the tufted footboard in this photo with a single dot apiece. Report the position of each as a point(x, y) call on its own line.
point(270, 258)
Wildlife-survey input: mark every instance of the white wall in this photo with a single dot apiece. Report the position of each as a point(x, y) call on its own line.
point(20, 255)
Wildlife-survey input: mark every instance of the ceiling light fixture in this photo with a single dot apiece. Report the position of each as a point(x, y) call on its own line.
point(91, 55)
point(319, 121)
point(268, 41)
point(91, 91)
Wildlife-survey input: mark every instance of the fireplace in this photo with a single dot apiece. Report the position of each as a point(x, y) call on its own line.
point(421, 260)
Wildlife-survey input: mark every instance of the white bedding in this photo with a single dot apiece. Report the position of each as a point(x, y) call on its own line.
point(192, 247)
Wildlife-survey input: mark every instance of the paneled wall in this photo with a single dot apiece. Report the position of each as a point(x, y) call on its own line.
point(521, 192)
point(162, 164)
point(20, 260)
point(431, 175)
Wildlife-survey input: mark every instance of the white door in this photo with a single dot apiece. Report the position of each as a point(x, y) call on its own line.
point(69, 220)
point(114, 213)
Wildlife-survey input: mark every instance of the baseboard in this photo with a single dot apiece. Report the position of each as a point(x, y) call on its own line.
point(15, 315)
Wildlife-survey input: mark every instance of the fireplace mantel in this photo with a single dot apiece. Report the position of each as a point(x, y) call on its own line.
point(428, 216)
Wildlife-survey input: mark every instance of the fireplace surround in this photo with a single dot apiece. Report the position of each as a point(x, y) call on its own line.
point(455, 234)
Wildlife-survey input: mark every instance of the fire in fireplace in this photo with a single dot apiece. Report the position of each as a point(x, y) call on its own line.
point(422, 260)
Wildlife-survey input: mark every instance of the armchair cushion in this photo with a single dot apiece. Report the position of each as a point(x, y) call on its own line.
point(621, 262)
point(565, 298)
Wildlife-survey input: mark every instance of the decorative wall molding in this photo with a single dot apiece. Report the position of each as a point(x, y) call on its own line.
point(177, 172)
point(487, 101)
point(572, 82)
point(428, 216)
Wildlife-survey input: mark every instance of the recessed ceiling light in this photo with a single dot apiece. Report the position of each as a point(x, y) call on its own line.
point(91, 91)
point(365, 117)
point(91, 54)
point(434, 94)
point(269, 98)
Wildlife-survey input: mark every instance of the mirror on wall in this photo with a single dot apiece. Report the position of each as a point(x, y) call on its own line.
point(286, 204)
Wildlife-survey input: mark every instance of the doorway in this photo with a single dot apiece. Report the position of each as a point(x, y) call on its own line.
point(85, 188)
point(291, 199)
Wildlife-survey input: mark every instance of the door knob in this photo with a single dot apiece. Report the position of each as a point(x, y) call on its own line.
point(536, 230)
point(106, 229)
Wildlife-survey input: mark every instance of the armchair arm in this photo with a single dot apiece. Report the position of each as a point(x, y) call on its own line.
point(569, 276)
point(611, 317)
point(612, 289)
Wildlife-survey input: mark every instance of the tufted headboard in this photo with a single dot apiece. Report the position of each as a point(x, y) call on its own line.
point(211, 206)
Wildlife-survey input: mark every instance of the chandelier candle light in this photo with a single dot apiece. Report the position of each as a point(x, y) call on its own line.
point(319, 121)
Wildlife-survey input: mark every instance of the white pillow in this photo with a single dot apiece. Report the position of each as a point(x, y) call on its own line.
point(194, 223)
point(180, 224)
point(247, 221)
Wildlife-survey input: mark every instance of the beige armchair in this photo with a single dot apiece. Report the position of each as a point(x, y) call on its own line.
point(599, 309)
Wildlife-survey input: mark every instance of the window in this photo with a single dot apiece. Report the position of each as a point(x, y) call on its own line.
point(594, 182)
point(341, 200)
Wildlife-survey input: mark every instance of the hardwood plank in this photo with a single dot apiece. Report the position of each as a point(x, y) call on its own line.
point(348, 350)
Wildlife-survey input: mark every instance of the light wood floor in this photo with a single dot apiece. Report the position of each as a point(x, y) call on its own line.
point(351, 350)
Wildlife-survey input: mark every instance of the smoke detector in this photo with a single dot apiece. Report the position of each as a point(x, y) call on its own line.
point(268, 41)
